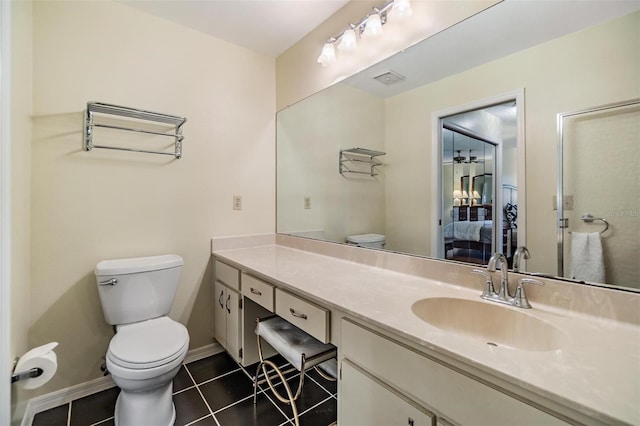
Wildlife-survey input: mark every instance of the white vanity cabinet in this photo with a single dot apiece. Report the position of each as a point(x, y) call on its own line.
point(396, 372)
point(240, 298)
point(227, 312)
point(371, 402)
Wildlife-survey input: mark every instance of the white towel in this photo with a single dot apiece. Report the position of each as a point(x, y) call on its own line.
point(587, 261)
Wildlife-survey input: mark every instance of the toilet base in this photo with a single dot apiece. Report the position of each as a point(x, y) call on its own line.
point(151, 408)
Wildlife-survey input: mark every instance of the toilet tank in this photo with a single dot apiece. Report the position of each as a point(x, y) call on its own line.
point(137, 289)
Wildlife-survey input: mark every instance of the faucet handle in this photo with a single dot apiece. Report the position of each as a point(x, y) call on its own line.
point(489, 291)
point(520, 299)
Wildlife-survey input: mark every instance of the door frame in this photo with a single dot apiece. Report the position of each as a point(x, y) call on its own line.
point(437, 117)
point(6, 363)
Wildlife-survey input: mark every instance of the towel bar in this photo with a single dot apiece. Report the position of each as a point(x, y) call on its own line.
point(138, 114)
point(589, 218)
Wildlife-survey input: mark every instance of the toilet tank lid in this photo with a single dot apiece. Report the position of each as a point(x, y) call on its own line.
point(365, 238)
point(138, 264)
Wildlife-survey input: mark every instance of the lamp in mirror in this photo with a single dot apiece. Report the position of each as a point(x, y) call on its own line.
point(476, 197)
point(457, 195)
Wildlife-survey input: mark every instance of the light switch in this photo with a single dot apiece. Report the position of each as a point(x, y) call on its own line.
point(237, 202)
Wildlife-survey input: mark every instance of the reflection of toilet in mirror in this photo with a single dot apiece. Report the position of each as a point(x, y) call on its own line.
point(376, 241)
point(148, 348)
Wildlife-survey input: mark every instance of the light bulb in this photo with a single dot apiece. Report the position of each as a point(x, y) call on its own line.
point(372, 26)
point(401, 9)
point(328, 55)
point(348, 41)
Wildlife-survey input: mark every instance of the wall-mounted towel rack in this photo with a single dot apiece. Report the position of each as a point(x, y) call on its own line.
point(133, 113)
point(359, 155)
point(589, 218)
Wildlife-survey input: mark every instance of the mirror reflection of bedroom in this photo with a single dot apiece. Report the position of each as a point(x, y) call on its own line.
point(478, 157)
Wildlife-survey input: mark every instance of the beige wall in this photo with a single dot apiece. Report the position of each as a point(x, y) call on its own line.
point(299, 75)
point(593, 67)
point(21, 104)
point(89, 206)
point(308, 149)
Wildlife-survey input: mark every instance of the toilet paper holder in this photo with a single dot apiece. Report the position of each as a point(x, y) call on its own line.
point(33, 372)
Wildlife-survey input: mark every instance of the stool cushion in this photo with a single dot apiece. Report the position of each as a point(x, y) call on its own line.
point(291, 342)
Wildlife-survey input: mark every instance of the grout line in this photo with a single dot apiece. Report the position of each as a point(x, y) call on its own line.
point(200, 393)
point(215, 378)
point(183, 390)
point(215, 419)
point(232, 404)
point(268, 396)
point(197, 420)
point(102, 421)
point(320, 384)
point(315, 406)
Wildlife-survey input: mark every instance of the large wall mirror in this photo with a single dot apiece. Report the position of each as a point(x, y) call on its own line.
point(355, 162)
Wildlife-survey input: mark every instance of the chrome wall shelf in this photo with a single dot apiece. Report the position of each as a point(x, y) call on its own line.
point(359, 156)
point(132, 113)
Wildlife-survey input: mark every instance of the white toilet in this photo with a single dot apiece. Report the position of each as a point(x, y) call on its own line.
point(376, 241)
point(148, 348)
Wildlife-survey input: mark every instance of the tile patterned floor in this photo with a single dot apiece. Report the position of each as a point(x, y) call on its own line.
point(214, 391)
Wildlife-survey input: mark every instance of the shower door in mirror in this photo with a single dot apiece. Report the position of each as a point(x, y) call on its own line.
point(599, 234)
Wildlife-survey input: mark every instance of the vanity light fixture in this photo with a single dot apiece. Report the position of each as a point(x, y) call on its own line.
point(369, 26)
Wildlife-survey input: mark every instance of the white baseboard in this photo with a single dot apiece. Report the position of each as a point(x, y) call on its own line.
point(66, 395)
point(203, 352)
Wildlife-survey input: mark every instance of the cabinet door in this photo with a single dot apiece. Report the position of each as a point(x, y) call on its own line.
point(232, 307)
point(364, 400)
point(220, 313)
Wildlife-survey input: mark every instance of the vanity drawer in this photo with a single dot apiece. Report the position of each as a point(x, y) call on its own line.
point(303, 314)
point(258, 291)
point(228, 275)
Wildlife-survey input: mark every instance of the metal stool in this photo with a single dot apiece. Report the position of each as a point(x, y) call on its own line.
point(300, 349)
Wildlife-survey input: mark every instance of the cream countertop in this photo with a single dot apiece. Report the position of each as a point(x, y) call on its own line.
point(597, 370)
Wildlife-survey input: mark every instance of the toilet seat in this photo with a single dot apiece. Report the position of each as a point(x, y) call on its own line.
point(147, 347)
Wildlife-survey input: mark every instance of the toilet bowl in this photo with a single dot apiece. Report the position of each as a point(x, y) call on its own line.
point(143, 358)
point(148, 348)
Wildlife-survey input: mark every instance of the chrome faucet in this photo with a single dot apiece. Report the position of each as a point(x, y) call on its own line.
point(503, 293)
point(521, 253)
point(502, 296)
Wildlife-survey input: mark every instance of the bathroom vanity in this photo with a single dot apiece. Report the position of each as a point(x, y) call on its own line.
point(406, 357)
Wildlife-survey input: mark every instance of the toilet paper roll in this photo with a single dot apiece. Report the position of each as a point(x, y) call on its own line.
point(42, 357)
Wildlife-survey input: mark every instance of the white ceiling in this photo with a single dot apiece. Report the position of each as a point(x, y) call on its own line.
point(266, 26)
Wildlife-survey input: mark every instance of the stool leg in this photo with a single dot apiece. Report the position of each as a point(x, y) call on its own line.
point(290, 398)
point(324, 375)
point(263, 365)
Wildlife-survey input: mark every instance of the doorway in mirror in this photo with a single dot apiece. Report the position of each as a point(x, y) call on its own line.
point(477, 182)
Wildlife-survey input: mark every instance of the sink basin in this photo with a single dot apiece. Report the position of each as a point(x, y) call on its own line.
point(491, 323)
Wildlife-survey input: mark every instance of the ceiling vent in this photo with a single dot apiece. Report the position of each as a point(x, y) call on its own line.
point(389, 78)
